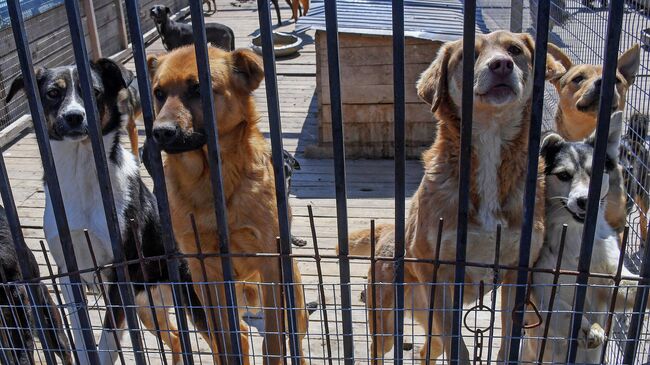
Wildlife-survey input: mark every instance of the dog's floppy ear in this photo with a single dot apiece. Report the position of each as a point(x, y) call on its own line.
point(551, 145)
point(16, 85)
point(628, 63)
point(613, 138)
point(19, 84)
point(112, 75)
point(432, 86)
point(248, 69)
point(152, 64)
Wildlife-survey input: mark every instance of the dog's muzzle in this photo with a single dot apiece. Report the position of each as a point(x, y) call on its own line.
point(172, 139)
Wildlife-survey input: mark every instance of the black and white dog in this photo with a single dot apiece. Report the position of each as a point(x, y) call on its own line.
point(175, 34)
point(567, 175)
point(16, 338)
point(135, 205)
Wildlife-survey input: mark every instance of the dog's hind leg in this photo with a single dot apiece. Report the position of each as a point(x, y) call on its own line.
point(161, 326)
point(417, 298)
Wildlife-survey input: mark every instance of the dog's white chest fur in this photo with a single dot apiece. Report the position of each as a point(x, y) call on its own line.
point(488, 151)
point(83, 201)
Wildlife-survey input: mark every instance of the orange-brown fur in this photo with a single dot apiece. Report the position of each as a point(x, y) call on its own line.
point(248, 183)
point(437, 198)
point(577, 111)
point(294, 8)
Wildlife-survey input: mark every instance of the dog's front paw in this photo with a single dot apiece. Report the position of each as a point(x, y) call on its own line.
point(594, 336)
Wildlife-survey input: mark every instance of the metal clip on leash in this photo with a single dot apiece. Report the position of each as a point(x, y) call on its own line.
point(479, 333)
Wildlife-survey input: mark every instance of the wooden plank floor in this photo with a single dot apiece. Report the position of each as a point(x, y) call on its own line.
point(370, 195)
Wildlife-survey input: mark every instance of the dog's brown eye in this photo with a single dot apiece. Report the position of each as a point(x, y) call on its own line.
point(514, 50)
point(578, 79)
point(53, 94)
point(564, 176)
point(160, 95)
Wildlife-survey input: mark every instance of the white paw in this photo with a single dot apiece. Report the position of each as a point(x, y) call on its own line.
point(594, 336)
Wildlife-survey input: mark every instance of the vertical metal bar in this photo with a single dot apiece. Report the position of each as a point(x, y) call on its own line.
point(400, 161)
point(157, 174)
point(321, 289)
point(639, 310)
point(516, 15)
point(495, 284)
point(275, 124)
point(283, 329)
point(35, 301)
point(373, 296)
point(214, 161)
point(530, 190)
point(469, 36)
point(51, 178)
point(101, 166)
point(333, 65)
point(612, 41)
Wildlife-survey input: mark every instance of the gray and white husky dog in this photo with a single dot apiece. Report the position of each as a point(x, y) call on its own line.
point(568, 172)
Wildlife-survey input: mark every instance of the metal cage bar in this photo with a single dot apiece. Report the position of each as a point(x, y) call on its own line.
point(87, 341)
point(530, 191)
point(331, 20)
point(275, 123)
point(469, 38)
point(400, 172)
point(214, 161)
point(614, 28)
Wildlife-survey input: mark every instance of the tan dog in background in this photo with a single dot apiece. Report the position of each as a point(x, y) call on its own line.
point(503, 83)
point(248, 184)
point(575, 119)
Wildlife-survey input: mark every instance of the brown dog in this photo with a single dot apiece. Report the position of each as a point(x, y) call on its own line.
point(503, 84)
point(248, 182)
point(575, 119)
point(301, 6)
point(128, 104)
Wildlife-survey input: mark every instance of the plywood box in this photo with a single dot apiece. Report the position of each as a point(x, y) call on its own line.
point(366, 63)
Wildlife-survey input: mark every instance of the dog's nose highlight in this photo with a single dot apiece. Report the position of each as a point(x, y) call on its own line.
point(582, 203)
point(501, 66)
point(74, 119)
point(165, 133)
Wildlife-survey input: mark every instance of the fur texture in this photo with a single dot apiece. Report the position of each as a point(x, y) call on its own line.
point(247, 173)
point(568, 172)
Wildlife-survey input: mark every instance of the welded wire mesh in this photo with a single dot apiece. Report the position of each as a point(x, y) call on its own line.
point(349, 313)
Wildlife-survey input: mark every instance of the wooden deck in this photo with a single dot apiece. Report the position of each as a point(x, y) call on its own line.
point(370, 188)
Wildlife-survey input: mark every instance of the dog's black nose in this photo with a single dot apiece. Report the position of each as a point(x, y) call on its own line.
point(74, 119)
point(165, 134)
point(582, 203)
point(501, 66)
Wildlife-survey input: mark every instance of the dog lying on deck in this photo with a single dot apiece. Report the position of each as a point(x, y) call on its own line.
point(502, 102)
point(174, 34)
point(568, 172)
point(17, 340)
point(575, 119)
point(71, 148)
point(248, 182)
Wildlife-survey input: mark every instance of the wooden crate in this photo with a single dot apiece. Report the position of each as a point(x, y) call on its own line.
point(366, 64)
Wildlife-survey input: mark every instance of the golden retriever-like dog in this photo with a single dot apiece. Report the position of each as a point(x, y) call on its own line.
point(503, 82)
point(577, 112)
point(248, 183)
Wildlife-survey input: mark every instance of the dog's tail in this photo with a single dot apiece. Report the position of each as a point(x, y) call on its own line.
point(359, 241)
